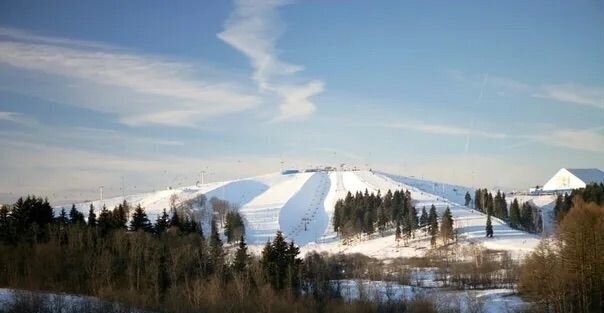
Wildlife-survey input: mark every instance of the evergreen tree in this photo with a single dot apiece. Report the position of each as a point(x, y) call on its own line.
point(423, 220)
point(446, 226)
point(140, 221)
point(526, 217)
point(468, 198)
point(62, 218)
point(105, 222)
point(119, 216)
point(337, 215)
point(490, 206)
point(234, 227)
point(280, 263)
point(433, 218)
point(489, 227)
point(91, 216)
point(216, 249)
point(477, 197)
point(75, 217)
point(241, 257)
point(515, 214)
point(162, 223)
point(504, 207)
point(7, 234)
point(175, 220)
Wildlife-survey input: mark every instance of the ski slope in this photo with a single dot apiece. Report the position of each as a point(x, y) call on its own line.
point(301, 205)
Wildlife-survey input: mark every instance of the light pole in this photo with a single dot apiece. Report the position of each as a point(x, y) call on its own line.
point(101, 192)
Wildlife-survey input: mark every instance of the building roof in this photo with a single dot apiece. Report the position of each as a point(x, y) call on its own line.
point(588, 175)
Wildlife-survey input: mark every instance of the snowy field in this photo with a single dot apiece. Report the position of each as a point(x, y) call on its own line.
point(489, 300)
point(302, 205)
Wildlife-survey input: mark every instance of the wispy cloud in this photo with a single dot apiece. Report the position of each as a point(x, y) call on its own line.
point(574, 93)
point(591, 140)
point(9, 116)
point(445, 130)
point(156, 91)
point(571, 93)
point(253, 28)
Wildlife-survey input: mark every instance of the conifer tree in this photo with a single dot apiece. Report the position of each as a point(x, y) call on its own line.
point(175, 220)
point(241, 257)
point(6, 225)
point(62, 218)
point(119, 216)
point(162, 223)
point(423, 220)
point(75, 217)
point(515, 214)
point(433, 218)
point(446, 226)
point(526, 217)
point(140, 221)
point(489, 227)
point(216, 249)
point(105, 223)
point(337, 215)
point(468, 198)
point(91, 216)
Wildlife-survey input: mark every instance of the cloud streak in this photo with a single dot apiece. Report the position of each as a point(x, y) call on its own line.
point(156, 91)
point(590, 140)
point(575, 94)
point(449, 130)
point(253, 28)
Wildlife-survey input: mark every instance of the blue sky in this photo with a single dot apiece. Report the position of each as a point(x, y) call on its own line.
point(489, 93)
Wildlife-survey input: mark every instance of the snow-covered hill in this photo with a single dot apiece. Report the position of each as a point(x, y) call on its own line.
point(302, 205)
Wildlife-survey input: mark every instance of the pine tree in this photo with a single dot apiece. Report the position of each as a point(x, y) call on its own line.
point(446, 226)
point(175, 221)
point(433, 218)
point(162, 223)
point(6, 225)
point(119, 216)
point(280, 263)
point(75, 217)
point(62, 218)
point(91, 216)
point(489, 227)
point(241, 257)
point(526, 217)
point(423, 220)
point(337, 215)
point(105, 223)
point(140, 221)
point(468, 198)
point(234, 227)
point(515, 214)
point(216, 249)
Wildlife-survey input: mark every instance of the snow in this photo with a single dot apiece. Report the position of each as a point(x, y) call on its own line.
point(302, 204)
point(490, 300)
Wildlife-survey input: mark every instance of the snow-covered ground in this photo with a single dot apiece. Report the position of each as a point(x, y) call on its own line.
point(489, 300)
point(302, 204)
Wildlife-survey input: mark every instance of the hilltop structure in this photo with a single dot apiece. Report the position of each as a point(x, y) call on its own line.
point(573, 178)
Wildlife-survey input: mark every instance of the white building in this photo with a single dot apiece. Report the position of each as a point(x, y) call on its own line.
point(573, 178)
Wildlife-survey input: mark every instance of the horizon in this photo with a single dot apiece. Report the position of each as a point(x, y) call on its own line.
point(148, 95)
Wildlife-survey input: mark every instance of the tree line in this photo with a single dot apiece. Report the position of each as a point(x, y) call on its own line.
point(566, 272)
point(524, 217)
point(591, 193)
point(169, 266)
point(368, 212)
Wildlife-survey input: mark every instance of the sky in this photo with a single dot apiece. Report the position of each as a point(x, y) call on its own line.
point(142, 95)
